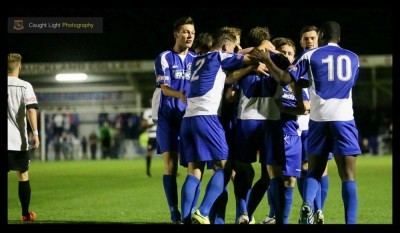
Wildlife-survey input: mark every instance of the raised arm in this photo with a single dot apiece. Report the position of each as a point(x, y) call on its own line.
point(281, 76)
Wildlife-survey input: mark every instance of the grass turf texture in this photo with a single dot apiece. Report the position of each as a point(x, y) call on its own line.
point(118, 191)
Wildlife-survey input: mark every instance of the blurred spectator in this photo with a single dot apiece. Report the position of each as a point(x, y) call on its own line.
point(93, 145)
point(58, 123)
point(67, 145)
point(84, 147)
point(57, 143)
point(387, 139)
point(364, 146)
point(116, 146)
point(106, 139)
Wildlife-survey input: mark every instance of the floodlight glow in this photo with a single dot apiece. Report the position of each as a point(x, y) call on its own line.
point(71, 77)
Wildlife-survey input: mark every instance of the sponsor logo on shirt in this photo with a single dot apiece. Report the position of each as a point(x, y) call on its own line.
point(181, 74)
point(32, 99)
point(288, 96)
point(162, 78)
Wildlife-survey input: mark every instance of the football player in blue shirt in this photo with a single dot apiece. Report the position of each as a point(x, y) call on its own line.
point(202, 136)
point(294, 101)
point(256, 109)
point(309, 40)
point(172, 68)
point(333, 72)
point(227, 115)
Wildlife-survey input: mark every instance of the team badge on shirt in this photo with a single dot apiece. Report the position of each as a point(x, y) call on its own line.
point(292, 67)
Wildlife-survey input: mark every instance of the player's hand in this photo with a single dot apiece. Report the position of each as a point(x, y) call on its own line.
point(259, 54)
point(182, 97)
point(262, 69)
point(267, 45)
point(36, 142)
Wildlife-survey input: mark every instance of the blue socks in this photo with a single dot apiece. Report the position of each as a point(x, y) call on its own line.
point(214, 188)
point(171, 192)
point(350, 200)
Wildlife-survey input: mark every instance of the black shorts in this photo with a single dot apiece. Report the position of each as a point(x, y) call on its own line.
point(151, 144)
point(18, 161)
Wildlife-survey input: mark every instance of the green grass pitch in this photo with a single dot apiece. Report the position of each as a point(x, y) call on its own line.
point(118, 191)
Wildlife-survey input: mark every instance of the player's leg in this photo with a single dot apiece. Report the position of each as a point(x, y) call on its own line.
point(320, 198)
point(190, 190)
point(317, 164)
point(242, 184)
point(318, 147)
point(258, 191)
point(214, 188)
point(170, 185)
point(290, 171)
point(19, 161)
point(324, 187)
point(304, 161)
point(346, 169)
point(24, 194)
point(270, 219)
point(151, 145)
point(345, 150)
point(218, 209)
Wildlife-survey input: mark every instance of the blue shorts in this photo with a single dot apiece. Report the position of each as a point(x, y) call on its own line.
point(273, 144)
point(249, 138)
point(293, 156)
point(168, 128)
point(304, 142)
point(202, 139)
point(229, 128)
point(338, 137)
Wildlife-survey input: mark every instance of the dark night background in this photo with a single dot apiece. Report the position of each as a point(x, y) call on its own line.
point(142, 33)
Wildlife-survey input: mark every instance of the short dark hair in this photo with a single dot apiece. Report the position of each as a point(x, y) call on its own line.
point(257, 35)
point(182, 21)
point(308, 29)
point(331, 30)
point(281, 41)
point(203, 42)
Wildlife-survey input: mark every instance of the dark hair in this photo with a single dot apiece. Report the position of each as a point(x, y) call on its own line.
point(202, 42)
point(182, 21)
point(281, 41)
point(331, 31)
point(257, 35)
point(308, 29)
